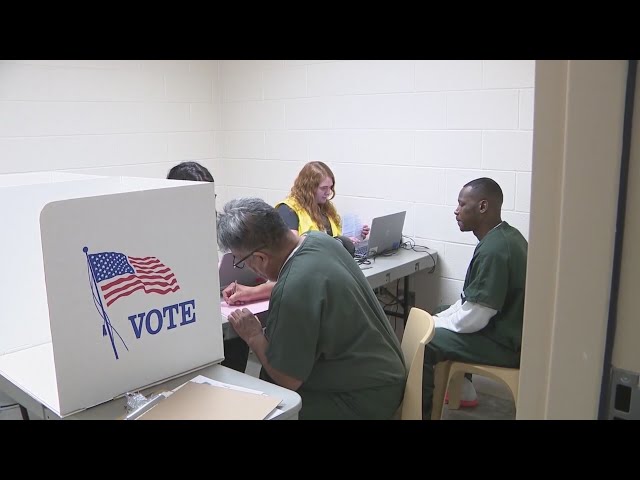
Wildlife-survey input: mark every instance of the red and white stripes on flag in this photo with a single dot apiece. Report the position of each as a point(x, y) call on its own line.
point(120, 276)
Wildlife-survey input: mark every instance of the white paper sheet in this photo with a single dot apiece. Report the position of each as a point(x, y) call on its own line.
point(255, 307)
point(351, 225)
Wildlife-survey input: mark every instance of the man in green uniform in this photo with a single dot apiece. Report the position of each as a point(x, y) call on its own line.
point(327, 336)
point(485, 324)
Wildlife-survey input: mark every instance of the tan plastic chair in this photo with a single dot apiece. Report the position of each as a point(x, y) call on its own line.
point(450, 375)
point(418, 332)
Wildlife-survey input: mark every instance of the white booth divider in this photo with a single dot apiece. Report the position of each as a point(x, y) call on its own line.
point(110, 284)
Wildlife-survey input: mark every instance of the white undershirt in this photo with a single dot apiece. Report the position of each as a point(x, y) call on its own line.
point(464, 318)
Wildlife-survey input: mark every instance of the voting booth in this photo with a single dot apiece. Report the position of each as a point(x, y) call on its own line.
point(109, 284)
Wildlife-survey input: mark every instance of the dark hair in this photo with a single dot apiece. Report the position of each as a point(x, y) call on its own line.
point(248, 224)
point(347, 243)
point(190, 171)
point(485, 188)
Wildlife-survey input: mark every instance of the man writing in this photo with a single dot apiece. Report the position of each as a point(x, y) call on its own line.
point(327, 336)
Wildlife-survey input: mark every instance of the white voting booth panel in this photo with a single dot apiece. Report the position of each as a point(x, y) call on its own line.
point(110, 285)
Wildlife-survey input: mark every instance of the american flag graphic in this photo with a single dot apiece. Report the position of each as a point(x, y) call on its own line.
point(119, 275)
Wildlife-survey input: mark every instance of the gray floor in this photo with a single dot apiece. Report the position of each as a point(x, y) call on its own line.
point(494, 403)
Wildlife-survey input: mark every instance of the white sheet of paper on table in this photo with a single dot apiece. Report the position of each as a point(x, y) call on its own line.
point(215, 383)
point(254, 307)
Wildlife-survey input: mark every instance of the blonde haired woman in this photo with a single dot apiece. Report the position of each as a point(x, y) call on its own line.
point(309, 207)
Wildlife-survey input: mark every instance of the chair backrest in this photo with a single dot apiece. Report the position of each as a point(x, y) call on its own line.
point(418, 332)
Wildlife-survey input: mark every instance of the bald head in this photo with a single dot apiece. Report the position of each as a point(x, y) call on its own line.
point(479, 206)
point(486, 189)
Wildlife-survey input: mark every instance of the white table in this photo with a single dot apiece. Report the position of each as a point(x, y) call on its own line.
point(400, 265)
point(115, 409)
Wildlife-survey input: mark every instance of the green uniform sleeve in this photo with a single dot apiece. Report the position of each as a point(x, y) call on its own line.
point(488, 280)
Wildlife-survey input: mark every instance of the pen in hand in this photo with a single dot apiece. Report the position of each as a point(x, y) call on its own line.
point(235, 287)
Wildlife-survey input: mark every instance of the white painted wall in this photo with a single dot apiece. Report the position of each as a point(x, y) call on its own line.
point(399, 135)
point(126, 117)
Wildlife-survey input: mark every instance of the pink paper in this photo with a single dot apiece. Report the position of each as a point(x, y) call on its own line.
point(255, 307)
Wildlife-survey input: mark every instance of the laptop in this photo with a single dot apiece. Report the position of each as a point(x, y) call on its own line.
point(385, 235)
point(244, 276)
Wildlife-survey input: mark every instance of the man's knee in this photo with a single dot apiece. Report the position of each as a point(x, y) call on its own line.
point(440, 347)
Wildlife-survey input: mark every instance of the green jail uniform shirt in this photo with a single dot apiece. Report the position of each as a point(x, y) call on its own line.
point(496, 279)
point(327, 328)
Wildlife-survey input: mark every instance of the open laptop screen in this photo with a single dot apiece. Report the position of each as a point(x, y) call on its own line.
point(385, 236)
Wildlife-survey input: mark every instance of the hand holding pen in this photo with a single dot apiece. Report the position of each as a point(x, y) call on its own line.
point(229, 293)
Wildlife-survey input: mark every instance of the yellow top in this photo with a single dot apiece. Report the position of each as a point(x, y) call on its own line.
point(305, 222)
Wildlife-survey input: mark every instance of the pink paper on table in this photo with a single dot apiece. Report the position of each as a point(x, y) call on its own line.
point(255, 307)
